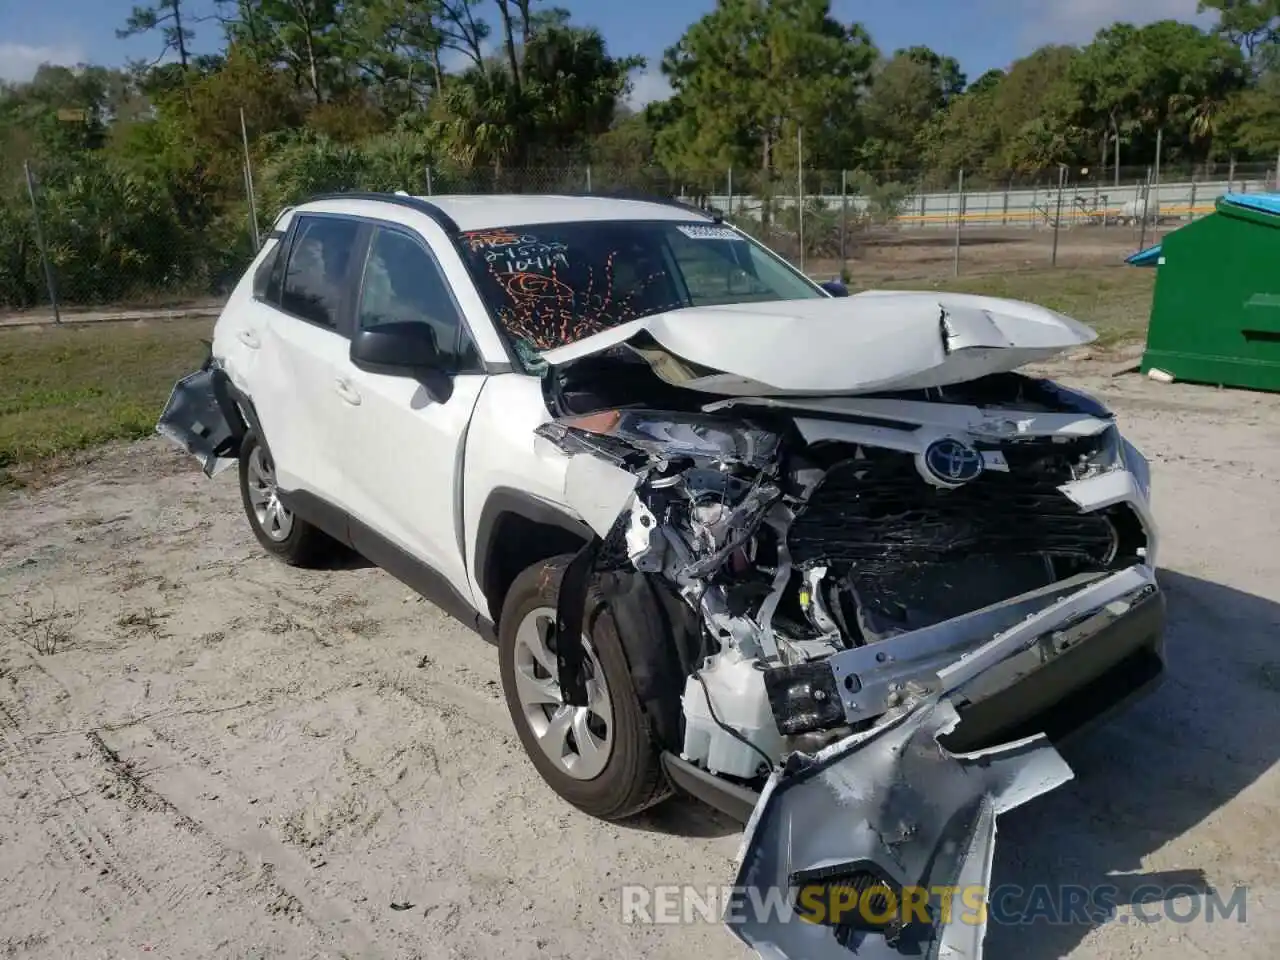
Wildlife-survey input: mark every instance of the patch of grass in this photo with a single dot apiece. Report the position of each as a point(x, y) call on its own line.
point(65, 389)
point(1114, 300)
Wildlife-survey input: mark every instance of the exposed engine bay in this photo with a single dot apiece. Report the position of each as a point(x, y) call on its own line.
point(821, 541)
point(908, 569)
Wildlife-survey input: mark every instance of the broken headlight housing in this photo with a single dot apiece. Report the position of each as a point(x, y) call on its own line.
point(1113, 452)
point(665, 436)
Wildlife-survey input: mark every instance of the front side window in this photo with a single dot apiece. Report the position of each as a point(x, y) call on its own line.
point(404, 284)
point(551, 285)
point(316, 276)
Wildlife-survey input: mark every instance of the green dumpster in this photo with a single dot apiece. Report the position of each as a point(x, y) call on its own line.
point(1215, 317)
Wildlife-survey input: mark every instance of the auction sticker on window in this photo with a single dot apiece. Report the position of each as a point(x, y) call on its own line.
point(708, 233)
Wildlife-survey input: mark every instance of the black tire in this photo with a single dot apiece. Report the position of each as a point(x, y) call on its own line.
point(305, 545)
point(632, 779)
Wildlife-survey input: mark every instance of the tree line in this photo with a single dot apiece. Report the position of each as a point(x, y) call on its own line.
point(141, 175)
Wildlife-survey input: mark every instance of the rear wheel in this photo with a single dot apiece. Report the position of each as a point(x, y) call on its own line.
point(601, 757)
point(277, 528)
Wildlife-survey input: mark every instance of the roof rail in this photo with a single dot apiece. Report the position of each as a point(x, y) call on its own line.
point(642, 197)
point(445, 221)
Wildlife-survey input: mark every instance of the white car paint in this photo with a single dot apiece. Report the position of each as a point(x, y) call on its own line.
point(391, 428)
point(419, 472)
point(876, 341)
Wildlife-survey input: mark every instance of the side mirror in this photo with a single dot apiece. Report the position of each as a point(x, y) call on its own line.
point(396, 349)
point(835, 288)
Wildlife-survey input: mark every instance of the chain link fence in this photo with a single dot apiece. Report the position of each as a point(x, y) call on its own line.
point(76, 240)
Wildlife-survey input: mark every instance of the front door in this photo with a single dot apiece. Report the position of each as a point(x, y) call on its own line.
point(404, 440)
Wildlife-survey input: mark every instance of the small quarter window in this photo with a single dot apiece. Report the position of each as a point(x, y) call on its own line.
point(266, 279)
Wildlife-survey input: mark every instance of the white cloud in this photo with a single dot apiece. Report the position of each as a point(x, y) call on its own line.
point(18, 61)
point(646, 87)
point(1076, 21)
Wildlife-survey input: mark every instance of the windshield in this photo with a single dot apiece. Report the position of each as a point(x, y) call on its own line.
point(550, 285)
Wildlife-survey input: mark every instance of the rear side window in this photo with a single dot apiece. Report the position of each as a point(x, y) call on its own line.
point(315, 280)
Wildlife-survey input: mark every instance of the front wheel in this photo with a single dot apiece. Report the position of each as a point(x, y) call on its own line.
point(601, 757)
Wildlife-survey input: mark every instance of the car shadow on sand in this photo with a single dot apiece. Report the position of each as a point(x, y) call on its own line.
point(1148, 776)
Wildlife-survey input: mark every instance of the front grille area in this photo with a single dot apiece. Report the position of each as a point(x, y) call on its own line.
point(1044, 458)
point(881, 515)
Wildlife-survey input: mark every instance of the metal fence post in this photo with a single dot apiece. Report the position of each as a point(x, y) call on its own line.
point(1231, 175)
point(429, 180)
point(1057, 220)
point(44, 250)
point(1191, 211)
point(844, 220)
point(248, 185)
point(728, 215)
point(1146, 204)
point(1155, 227)
point(800, 192)
point(588, 178)
point(959, 221)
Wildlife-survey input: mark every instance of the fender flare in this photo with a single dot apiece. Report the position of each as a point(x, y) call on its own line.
point(504, 502)
point(663, 643)
point(660, 634)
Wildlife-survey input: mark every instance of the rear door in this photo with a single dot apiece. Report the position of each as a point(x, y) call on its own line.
point(404, 443)
point(303, 342)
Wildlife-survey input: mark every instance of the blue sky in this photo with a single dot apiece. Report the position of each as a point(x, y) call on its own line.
point(980, 33)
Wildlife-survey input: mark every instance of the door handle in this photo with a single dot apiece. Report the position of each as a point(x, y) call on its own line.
point(347, 392)
point(250, 339)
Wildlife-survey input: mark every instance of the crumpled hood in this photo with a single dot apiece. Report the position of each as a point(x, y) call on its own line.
point(874, 341)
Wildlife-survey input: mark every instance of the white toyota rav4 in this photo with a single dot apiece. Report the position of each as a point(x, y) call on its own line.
point(827, 562)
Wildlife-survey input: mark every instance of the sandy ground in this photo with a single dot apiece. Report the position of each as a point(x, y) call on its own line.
point(206, 753)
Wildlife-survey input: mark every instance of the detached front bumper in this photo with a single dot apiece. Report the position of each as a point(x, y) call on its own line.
point(1009, 665)
point(1064, 686)
point(201, 417)
point(881, 845)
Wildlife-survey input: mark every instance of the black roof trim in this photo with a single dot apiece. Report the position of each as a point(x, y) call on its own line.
point(445, 221)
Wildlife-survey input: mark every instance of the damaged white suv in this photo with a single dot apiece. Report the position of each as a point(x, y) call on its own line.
point(827, 562)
